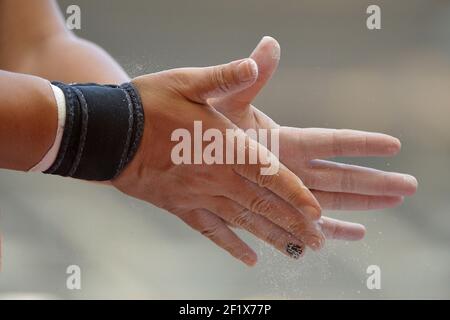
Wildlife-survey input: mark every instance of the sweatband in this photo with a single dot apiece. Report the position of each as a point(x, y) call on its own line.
point(49, 158)
point(102, 131)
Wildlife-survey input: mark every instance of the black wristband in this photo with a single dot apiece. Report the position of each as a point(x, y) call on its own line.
point(103, 129)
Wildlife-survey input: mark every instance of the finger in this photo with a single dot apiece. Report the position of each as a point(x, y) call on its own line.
point(327, 143)
point(349, 201)
point(267, 57)
point(217, 231)
point(342, 230)
point(278, 179)
point(200, 84)
point(337, 177)
point(267, 204)
point(258, 225)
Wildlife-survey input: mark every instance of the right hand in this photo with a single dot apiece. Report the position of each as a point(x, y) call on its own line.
point(306, 151)
point(278, 208)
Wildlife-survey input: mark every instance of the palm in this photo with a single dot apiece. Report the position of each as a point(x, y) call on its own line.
point(336, 186)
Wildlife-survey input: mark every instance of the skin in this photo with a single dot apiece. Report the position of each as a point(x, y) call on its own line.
point(336, 186)
point(28, 120)
point(201, 195)
point(231, 192)
point(34, 40)
point(37, 43)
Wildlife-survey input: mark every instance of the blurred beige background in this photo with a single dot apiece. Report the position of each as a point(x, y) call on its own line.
point(334, 73)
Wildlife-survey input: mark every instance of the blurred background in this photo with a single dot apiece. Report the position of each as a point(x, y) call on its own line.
point(334, 73)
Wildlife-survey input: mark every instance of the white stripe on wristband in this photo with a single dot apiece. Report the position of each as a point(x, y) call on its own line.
point(51, 154)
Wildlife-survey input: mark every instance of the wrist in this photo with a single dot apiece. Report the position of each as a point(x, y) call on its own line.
point(102, 130)
point(49, 158)
point(44, 123)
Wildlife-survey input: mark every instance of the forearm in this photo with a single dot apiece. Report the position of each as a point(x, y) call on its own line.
point(33, 40)
point(70, 59)
point(28, 120)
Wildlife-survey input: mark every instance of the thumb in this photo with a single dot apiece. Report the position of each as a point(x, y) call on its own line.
point(267, 57)
point(218, 81)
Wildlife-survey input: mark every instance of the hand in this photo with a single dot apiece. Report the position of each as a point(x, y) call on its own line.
point(276, 208)
point(336, 186)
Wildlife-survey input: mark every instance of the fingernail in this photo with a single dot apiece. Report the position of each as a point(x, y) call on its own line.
point(263, 39)
point(247, 70)
point(410, 180)
point(395, 146)
point(294, 250)
point(311, 212)
point(411, 183)
point(275, 53)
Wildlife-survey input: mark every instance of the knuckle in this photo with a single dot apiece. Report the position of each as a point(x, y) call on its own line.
point(385, 181)
point(347, 182)
point(296, 227)
point(368, 203)
point(362, 144)
point(211, 231)
point(220, 78)
point(336, 142)
point(246, 170)
point(295, 197)
point(365, 147)
point(243, 219)
point(265, 180)
point(261, 205)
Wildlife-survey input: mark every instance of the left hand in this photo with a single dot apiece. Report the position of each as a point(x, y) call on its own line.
point(336, 186)
point(207, 195)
